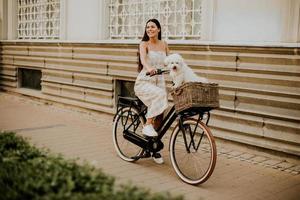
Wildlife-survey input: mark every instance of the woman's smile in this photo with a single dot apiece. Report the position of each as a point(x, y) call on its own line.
point(152, 30)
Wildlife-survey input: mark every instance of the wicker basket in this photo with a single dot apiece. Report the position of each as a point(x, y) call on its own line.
point(196, 95)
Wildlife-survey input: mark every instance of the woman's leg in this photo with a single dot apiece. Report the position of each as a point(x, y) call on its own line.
point(158, 120)
point(155, 122)
point(149, 121)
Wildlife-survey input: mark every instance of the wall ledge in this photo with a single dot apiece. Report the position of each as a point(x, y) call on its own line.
point(175, 42)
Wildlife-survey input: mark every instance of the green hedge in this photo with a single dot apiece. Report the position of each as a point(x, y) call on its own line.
point(29, 173)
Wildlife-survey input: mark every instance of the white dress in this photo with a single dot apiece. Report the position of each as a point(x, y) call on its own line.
point(152, 90)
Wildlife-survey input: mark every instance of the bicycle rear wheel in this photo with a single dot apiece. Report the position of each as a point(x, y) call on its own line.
point(125, 149)
point(193, 154)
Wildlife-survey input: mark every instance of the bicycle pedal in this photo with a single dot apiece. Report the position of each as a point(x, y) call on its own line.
point(145, 155)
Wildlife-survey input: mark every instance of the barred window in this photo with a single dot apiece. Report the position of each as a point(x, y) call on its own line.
point(38, 19)
point(180, 19)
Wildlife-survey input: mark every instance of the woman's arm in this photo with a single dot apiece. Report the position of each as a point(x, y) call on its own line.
point(143, 56)
point(167, 48)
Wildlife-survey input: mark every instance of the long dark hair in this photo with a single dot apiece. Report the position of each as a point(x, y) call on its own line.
point(146, 38)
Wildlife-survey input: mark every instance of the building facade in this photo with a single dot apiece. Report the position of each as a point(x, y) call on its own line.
point(271, 21)
point(84, 53)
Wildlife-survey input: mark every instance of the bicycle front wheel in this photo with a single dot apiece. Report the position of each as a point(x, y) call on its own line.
point(193, 152)
point(127, 118)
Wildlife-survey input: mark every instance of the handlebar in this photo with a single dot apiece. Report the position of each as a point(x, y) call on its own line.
point(158, 72)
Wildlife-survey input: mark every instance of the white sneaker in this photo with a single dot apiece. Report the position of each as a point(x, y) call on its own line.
point(157, 158)
point(149, 131)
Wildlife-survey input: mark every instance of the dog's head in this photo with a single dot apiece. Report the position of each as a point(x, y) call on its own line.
point(174, 62)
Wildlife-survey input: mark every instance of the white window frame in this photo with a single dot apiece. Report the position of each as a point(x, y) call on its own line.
point(38, 19)
point(204, 24)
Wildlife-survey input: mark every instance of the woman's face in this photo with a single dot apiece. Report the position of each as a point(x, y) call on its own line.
point(152, 30)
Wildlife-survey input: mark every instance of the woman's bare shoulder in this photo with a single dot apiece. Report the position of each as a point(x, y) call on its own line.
point(144, 44)
point(166, 47)
point(165, 43)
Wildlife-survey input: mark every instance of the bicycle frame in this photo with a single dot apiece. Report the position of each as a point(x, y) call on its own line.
point(154, 144)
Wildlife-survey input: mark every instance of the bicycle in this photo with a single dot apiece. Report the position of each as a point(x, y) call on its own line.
point(192, 146)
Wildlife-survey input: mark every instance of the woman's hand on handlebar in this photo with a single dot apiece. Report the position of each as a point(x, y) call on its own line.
point(158, 71)
point(151, 71)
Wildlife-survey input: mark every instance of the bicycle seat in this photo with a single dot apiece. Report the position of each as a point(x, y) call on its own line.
point(129, 101)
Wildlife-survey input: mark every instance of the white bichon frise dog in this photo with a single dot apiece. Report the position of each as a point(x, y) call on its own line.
point(180, 72)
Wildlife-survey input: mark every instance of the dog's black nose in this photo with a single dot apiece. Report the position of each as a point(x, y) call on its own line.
point(174, 67)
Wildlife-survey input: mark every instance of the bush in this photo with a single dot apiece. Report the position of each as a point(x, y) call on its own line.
point(29, 173)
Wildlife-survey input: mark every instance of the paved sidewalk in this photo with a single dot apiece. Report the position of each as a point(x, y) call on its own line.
point(87, 135)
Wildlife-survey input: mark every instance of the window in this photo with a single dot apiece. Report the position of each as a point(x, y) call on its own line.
point(180, 19)
point(30, 78)
point(124, 88)
point(38, 19)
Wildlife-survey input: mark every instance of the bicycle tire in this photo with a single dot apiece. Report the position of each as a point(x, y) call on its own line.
point(203, 158)
point(125, 149)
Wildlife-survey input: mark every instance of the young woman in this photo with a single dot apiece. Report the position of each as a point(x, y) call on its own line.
point(151, 90)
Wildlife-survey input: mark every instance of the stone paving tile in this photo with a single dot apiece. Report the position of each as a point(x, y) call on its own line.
point(295, 169)
point(233, 154)
point(224, 151)
point(271, 162)
point(284, 166)
point(258, 159)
